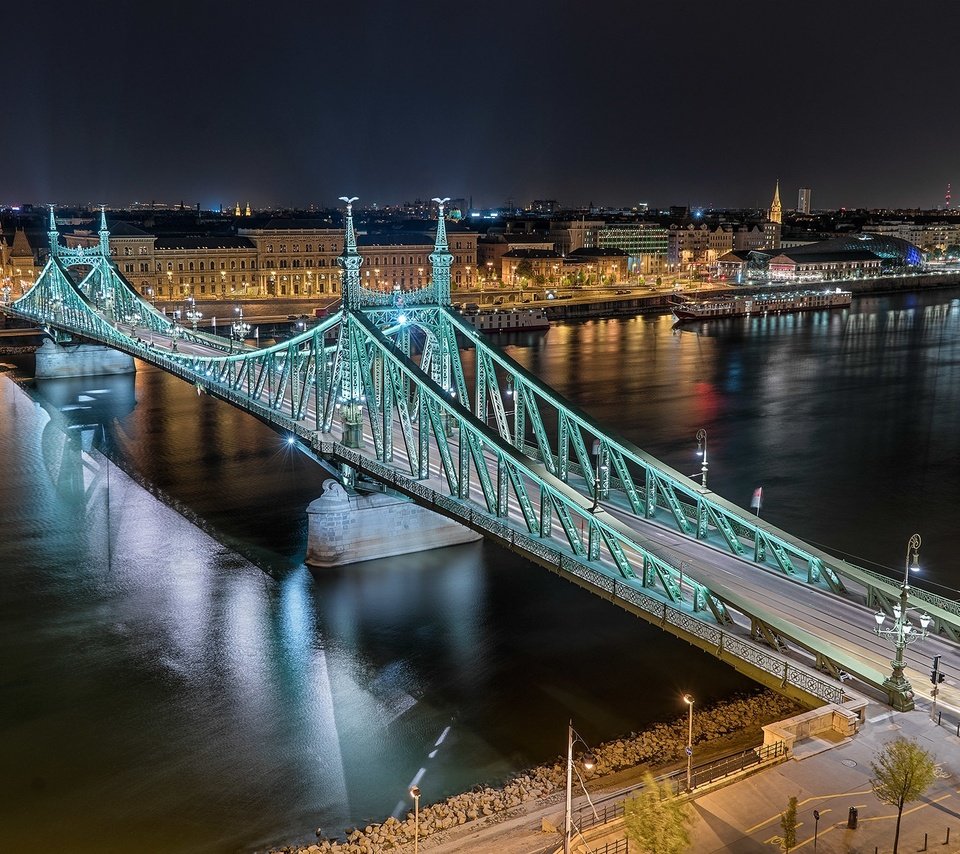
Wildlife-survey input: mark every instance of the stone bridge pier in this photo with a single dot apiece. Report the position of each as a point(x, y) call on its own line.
point(56, 361)
point(349, 528)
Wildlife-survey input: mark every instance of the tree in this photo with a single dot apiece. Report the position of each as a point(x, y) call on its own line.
point(657, 820)
point(903, 771)
point(788, 824)
point(525, 269)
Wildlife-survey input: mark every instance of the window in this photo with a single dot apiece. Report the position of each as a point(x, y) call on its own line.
point(201, 265)
point(296, 247)
point(233, 265)
point(180, 266)
point(283, 247)
point(191, 266)
point(269, 247)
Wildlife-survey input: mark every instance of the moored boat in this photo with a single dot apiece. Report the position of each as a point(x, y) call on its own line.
point(754, 304)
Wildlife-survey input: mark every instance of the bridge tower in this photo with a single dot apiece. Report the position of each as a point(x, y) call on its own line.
point(350, 261)
point(351, 397)
point(440, 258)
point(104, 233)
point(53, 235)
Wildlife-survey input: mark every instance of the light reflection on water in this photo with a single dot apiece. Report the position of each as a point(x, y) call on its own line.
point(158, 685)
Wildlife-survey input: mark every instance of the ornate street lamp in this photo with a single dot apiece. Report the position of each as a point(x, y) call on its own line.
point(588, 763)
point(193, 315)
point(903, 632)
point(688, 699)
point(702, 453)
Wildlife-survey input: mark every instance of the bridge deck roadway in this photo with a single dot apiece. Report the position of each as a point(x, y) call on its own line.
point(809, 618)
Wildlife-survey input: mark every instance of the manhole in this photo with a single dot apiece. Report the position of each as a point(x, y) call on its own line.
point(850, 763)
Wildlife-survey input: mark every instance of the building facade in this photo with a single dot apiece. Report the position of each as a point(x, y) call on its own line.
point(284, 259)
point(646, 245)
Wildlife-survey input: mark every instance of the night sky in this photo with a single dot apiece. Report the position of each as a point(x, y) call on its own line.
point(292, 103)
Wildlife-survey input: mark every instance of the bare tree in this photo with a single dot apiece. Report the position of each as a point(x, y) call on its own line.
point(903, 771)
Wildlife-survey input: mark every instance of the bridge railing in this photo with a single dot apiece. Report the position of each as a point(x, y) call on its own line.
point(722, 642)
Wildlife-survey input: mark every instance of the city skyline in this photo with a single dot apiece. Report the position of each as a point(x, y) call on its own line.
point(502, 103)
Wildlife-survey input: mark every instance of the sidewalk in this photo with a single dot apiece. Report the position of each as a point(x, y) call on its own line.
point(744, 816)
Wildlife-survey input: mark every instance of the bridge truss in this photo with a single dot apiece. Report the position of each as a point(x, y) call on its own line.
point(398, 389)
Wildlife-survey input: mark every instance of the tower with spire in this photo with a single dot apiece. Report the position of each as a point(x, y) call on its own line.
point(104, 233)
point(441, 259)
point(53, 236)
point(350, 261)
point(776, 210)
point(773, 226)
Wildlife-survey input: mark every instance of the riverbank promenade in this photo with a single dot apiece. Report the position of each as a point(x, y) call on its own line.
point(743, 816)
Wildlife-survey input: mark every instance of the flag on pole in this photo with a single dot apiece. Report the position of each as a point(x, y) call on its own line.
point(757, 499)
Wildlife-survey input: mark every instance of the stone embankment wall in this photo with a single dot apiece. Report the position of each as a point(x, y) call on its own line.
point(658, 746)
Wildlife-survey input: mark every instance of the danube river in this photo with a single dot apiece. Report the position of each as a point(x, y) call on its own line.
point(174, 679)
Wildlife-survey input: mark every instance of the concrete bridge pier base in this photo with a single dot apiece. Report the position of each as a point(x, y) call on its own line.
point(345, 528)
point(55, 361)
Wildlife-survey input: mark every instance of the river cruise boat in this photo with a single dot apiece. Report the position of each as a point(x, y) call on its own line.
point(759, 304)
point(508, 320)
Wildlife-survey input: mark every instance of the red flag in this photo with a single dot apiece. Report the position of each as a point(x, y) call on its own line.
point(757, 499)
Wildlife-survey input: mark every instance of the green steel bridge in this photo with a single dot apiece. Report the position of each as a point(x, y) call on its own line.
point(396, 389)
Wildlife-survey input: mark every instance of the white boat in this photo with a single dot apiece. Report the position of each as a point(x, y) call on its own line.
point(747, 305)
point(508, 320)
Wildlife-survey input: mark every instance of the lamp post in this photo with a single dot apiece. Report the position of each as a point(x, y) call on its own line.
point(903, 632)
point(688, 699)
point(816, 827)
point(702, 453)
point(415, 794)
point(588, 763)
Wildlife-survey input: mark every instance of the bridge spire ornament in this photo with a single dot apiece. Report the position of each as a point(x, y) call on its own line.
point(104, 233)
point(350, 260)
point(440, 258)
point(53, 234)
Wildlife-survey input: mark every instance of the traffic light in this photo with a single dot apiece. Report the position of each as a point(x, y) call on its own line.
point(936, 677)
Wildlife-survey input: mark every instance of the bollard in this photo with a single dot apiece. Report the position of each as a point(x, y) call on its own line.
point(924, 843)
point(947, 840)
point(852, 819)
point(939, 718)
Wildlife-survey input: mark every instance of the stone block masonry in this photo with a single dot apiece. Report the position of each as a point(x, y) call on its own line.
point(347, 528)
point(55, 361)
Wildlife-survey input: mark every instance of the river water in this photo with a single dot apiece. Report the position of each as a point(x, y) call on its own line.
point(174, 679)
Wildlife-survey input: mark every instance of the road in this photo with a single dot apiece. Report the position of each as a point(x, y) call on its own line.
point(807, 617)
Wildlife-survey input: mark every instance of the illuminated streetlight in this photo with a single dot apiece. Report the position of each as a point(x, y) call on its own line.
point(903, 632)
point(415, 794)
point(702, 453)
point(688, 699)
point(588, 764)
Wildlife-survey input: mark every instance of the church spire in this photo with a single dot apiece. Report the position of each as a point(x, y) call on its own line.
point(441, 259)
point(776, 210)
point(53, 234)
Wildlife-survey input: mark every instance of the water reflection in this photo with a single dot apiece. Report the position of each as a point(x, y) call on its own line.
point(159, 684)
